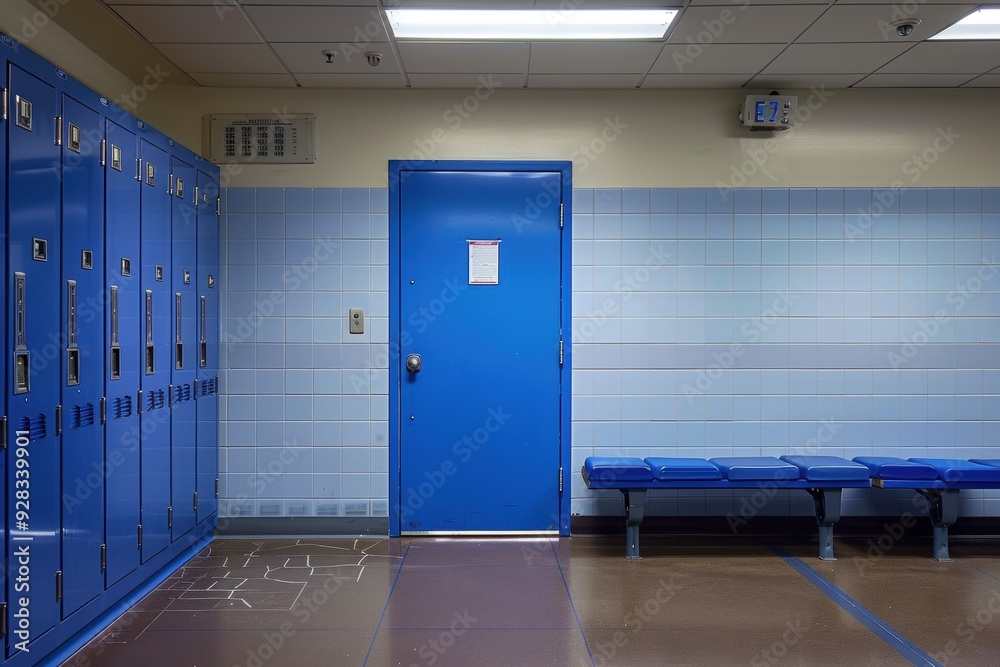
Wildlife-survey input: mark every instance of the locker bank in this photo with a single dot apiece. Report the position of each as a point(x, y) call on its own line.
point(335, 337)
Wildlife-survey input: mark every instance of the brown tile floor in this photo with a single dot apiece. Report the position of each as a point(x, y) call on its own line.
point(418, 602)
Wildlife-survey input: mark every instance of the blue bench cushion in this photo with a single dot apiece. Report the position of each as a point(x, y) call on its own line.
point(960, 470)
point(827, 468)
point(987, 462)
point(617, 469)
point(891, 467)
point(764, 468)
point(671, 469)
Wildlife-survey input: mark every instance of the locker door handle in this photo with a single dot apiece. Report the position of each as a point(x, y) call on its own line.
point(116, 350)
point(178, 332)
point(150, 349)
point(72, 346)
point(413, 363)
point(22, 365)
point(203, 340)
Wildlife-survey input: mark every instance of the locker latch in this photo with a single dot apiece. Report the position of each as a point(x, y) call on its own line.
point(72, 346)
point(203, 341)
point(178, 332)
point(116, 350)
point(104, 557)
point(22, 112)
point(22, 365)
point(150, 350)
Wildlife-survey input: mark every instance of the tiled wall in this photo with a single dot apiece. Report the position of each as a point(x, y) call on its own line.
point(706, 323)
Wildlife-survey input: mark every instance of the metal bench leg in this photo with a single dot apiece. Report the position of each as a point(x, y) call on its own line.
point(827, 505)
point(635, 505)
point(943, 512)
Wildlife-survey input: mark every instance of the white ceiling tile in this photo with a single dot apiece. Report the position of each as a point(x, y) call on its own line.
point(350, 80)
point(307, 57)
point(583, 81)
point(222, 57)
point(179, 24)
point(353, 25)
point(742, 24)
point(833, 58)
point(914, 80)
point(803, 81)
point(947, 58)
point(715, 58)
point(870, 23)
point(984, 81)
point(690, 81)
point(592, 57)
point(212, 3)
point(466, 80)
point(240, 80)
point(447, 57)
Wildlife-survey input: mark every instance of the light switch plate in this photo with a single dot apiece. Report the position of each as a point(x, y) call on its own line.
point(356, 316)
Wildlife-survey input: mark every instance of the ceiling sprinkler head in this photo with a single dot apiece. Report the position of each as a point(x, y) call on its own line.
point(330, 55)
point(374, 58)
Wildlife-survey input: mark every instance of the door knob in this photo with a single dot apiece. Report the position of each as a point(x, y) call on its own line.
point(413, 363)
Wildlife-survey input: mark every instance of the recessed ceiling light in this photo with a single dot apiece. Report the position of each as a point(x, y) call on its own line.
point(487, 24)
point(980, 24)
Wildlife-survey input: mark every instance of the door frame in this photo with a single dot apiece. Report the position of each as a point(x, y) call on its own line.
point(398, 170)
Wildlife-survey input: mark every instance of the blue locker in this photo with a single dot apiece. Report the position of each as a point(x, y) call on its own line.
point(82, 306)
point(208, 345)
point(124, 354)
point(33, 516)
point(3, 362)
point(184, 348)
point(156, 311)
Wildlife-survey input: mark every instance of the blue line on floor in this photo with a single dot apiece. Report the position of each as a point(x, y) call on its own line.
point(571, 605)
point(386, 607)
point(887, 633)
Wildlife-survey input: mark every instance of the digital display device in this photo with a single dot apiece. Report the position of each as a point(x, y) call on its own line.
point(769, 112)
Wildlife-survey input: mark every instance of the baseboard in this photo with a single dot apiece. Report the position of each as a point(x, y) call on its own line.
point(288, 526)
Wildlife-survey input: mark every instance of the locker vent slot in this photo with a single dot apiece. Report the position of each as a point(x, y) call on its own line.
point(209, 387)
point(182, 393)
point(82, 416)
point(156, 399)
point(122, 407)
point(36, 426)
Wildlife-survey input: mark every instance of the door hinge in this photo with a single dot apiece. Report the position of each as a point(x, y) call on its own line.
point(195, 501)
point(3, 433)
point(104, 152)
point(196, 196)
point(6, 101)
point(58, 585)
point(104, 557)
point(216, 487)
point(561, 352)
point(138, 169)
point(560, 480)
point(138, 402)
point(170, 185)
point(104, 410)
point(138, 537)
point(59, 126)
point(59, 420)
point(170, 517)
point(561, 210)
point(3, 605)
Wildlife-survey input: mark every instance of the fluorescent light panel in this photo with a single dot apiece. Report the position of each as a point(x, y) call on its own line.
point(529, 24)
point(980, 24)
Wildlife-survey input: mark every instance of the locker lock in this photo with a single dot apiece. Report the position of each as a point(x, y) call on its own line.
point(413, 363)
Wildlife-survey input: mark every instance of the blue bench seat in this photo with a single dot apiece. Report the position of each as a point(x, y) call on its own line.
point(824, 477)
point(937, 480)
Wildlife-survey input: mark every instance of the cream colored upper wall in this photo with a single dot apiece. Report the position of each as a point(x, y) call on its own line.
point(37, 30)
point(846, 138)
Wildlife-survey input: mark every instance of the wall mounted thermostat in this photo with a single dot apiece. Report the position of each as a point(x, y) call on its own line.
point(769, 112)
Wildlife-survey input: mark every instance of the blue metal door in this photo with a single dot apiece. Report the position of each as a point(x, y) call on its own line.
point(184, 348)
point(3, 358)
point(157, 315)
point(34, 362)
point(479, 434)
point(82, 306)
point(208, 345)
point(124, 329)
